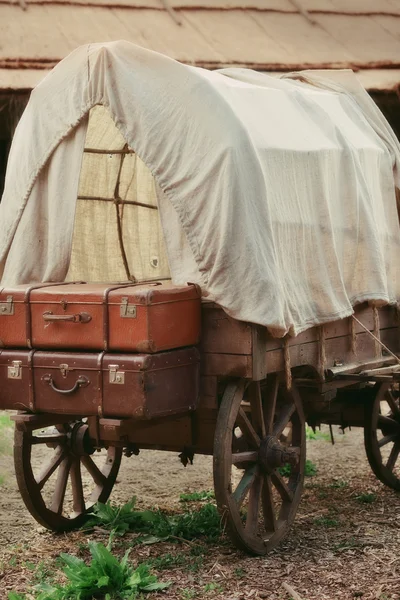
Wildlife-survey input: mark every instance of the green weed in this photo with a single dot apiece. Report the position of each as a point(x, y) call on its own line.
point(167, 561)
point(155, 525)
point(367, 498)
point(316, 435)
point(310, 469)
point(188, 594)
point(326, 522)
point(104, 577)
point(239, 572)
point(15, 596)
point(213, 587)
point(197, 496)
point(338, 484)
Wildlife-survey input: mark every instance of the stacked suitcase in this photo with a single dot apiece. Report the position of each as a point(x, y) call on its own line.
point(120, 350)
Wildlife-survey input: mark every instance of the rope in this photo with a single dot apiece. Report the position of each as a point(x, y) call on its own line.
point(322, 351)
point(376, 339)
point(353, 337)
point(288, 369)
point(377, 333)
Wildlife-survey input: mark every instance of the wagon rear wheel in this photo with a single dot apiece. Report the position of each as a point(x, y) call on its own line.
point(57, 476)
point(382, 434)
point(258, 468)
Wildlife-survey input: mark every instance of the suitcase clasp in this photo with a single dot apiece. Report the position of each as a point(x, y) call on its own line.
point(15, 370)
point(127, 311)
point(64, 368)
point(116, 376)
point(7, 308)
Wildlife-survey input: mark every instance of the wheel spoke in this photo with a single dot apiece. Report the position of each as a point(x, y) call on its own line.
point(93, 470)
point(283, 419)
point(394, 407)
point(394, 454)
point(50, 468)
point(244, 485)
point(244, 457)
point(254, 506)
point(388, 423)
point(77, 488)
point(257, 414)
point(387, 439)
point(270, 401)
point(268, 505)
point(57, 439)
point(247, 429)
point(280, 484)
point(61, 486)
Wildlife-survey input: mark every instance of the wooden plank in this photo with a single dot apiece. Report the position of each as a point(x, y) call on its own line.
point(337, 349)
point(227, 365)
point(223, 335)
point(259, 347)
point(208, 393)
point(161, 434)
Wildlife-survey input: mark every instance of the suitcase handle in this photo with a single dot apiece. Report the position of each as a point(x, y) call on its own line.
point(80, 382)
point(82, 317)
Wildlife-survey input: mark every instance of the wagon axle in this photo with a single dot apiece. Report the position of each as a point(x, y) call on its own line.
point(272, 454)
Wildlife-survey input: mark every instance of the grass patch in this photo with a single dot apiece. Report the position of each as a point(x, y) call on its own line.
point(213, 587)
point(155, 525)
point(326, 522)
point(310, 469)
point(6, 434)
point(105, 577)
point(367, 498)
point(197, 496)
point(317, 434)
point(338, 485)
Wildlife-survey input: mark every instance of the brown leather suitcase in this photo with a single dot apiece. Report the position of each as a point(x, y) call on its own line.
point(16, 391)
point(148, 317)
point(138, 386)
point(15, 315)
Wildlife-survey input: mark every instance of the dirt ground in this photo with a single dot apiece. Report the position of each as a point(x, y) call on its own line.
point(338, 547)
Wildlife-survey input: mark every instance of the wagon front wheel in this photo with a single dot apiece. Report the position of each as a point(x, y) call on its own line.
point(59, 476)
point(259, 459)
point(382, 433)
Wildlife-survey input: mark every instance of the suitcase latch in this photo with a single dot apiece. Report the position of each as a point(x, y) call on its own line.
point(116, 376)
point(7, 308)
point(14, 371)
point(64, 368)
point(127, 311)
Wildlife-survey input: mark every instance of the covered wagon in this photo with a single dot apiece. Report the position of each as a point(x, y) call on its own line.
point(154, 183)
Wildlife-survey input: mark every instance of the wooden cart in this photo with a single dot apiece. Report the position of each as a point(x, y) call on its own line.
point(257, 393)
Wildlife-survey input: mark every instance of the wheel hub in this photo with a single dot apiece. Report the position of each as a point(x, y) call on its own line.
point(273, 454)
point(79, 440)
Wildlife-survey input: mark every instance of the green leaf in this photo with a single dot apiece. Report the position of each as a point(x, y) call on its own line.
point(103, 581)
point(153, 587)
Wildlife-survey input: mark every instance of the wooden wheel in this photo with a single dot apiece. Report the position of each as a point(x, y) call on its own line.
point(382, 434)
point(58, 479)
point(258, 470)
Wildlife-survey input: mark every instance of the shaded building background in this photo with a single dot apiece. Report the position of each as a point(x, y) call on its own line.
point(268, 35)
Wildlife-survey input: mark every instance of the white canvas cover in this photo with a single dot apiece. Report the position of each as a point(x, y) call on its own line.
point(277, 196)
